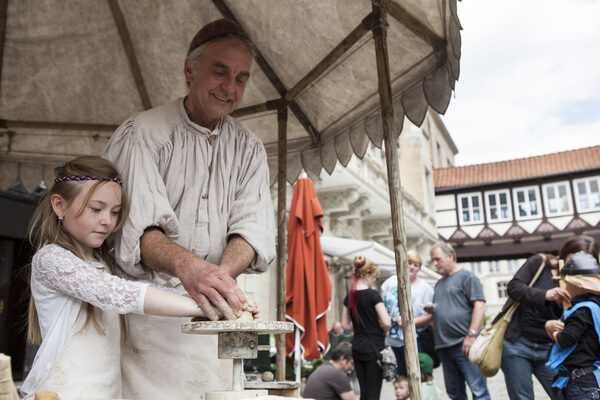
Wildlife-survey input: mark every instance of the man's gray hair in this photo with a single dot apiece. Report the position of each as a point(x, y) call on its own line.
point(445, 248)
point(196, 55)
point(341, 349)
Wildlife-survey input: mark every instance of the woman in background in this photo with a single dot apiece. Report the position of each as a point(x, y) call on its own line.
point(365, 314)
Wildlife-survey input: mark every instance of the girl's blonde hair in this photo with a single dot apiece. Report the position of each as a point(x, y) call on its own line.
point(45, 227)
point(414, 257)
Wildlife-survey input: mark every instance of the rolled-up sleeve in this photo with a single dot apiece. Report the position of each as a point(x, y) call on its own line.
point(136, 157)
point(251, 215)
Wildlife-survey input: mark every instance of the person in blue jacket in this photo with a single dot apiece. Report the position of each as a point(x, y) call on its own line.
point(576, 352)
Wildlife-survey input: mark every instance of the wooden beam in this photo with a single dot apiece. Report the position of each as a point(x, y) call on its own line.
point(3, 11)
point(380, 8)
point(7, 124)
point(258, 108)
point(130, 52)
point(281, 238)
point(402, 15)
point(273, 78)
point(364, 27)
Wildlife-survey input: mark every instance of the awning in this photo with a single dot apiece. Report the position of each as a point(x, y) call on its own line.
point(347, 249)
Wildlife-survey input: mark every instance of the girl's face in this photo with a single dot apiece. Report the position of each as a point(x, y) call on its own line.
point(401, 390)
point(91, 224)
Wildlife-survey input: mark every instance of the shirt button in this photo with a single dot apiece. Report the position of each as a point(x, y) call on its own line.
point(204, 196)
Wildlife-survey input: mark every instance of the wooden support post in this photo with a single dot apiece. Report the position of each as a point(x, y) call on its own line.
point(380, 7)
point(281, 236)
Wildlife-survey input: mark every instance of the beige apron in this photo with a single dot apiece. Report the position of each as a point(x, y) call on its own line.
point(160, 362)
point(88, 367)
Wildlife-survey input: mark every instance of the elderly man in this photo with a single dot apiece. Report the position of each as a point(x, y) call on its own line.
point(458, 316)
point(330, 380)
point(198, 183)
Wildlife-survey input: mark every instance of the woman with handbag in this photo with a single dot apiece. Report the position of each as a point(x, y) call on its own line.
point(365, 314)
point(526, 345)
point(421, 293)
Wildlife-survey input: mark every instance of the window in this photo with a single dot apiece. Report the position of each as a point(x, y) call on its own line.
point(557, 198)
point(513, 265)
point(494, 266)
point(502, 292)
point(587, 194)
point(476, 267)
point(498, 208)
point(527, 203)
point(469, 208)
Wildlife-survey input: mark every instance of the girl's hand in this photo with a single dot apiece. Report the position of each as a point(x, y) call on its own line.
point(253, 309)
point(553, 326)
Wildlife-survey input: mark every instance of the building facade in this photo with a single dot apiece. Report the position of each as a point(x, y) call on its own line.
point(497, 214)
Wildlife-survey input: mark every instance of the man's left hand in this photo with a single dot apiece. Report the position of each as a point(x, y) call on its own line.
point(467, 343)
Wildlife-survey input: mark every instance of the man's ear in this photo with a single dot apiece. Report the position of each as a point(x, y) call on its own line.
point(188, 71)
point(59, 204)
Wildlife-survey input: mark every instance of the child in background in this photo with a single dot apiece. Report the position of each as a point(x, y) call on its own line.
point(401, 388)
point(428, 389)
point(76, 297)
point(576, 354)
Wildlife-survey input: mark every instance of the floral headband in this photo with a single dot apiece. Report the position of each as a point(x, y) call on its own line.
point(86, 178)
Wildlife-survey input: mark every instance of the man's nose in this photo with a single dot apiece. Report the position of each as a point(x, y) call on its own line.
point(228, 83)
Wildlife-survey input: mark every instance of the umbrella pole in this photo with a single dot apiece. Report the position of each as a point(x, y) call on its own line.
point(380, 7)
point(297, 356)
point(281, 245)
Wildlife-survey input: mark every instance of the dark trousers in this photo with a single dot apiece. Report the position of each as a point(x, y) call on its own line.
point(370, 376)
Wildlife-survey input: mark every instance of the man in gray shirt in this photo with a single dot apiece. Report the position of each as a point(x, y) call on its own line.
point(458, 317)
point(330, 381)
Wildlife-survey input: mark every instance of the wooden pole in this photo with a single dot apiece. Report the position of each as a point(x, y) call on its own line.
point(281, 236)
point(380, 8)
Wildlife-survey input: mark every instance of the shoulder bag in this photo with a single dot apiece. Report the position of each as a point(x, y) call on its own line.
point(486, 351)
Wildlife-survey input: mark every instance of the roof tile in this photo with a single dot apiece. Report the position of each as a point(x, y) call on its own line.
point(548, 164)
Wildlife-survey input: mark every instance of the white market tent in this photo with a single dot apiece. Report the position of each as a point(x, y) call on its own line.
point(347, 71)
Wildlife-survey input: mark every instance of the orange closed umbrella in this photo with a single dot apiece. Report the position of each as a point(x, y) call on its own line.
point(308, 285)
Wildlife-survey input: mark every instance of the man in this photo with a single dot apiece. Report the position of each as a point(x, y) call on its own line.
point(330, 380)
point(198, 183)
point(458, 317)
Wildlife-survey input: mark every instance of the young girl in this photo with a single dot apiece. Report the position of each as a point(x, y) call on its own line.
point(76, 298)
point(365, 314)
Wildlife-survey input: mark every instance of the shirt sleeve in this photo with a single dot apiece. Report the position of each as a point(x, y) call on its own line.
point(575, 327)
point(136, 158)
point(518, 287)
point(252, 215)
point(474, 289)
point(60, 270)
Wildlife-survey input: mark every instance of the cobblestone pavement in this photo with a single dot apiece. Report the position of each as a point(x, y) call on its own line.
point(496, 387)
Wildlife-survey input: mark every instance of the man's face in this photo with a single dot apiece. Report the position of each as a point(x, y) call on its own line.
point(218, 80)
point(346, 365)
point(443, 262)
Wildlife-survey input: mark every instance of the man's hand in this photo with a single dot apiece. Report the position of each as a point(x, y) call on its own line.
point(557, 294)
point(205, 282)
point(467, 343)
point(208, 283)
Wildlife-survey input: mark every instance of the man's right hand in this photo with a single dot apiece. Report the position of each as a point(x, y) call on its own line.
point(208, 283)
point(205, 282)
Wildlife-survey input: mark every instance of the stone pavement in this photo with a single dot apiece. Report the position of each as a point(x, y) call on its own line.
point(496, 386)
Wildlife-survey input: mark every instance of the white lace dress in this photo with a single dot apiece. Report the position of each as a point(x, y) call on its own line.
point(76, 362)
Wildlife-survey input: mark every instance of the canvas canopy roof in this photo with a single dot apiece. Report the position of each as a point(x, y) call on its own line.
point(73, 70)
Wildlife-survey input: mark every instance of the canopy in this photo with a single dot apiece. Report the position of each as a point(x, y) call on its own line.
point(348, 72)
point(73, 70)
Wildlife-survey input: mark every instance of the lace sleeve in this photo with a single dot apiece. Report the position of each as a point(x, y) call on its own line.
point(58, 269)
